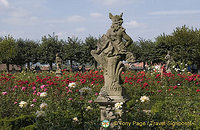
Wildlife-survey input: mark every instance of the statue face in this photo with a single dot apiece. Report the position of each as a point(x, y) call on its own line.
point(116, 19)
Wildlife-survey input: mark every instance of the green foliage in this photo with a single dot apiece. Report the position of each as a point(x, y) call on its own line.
point(27, 51)
point(17, 123)
point(183, 44)
point(72, 50)
point(89, 45)
point(8, 49)
point(48, 49)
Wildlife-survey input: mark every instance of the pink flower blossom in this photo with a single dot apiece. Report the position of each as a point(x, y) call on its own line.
point(34, 88)
point(90, 101)
point(69, 91)
point(38, 93)
point(34, 93)
point(23, 88)
point(42, 86)
point(70, 99)
point(34, 100)
point(16, 86)
point(15, 102)
point(4, 93)
point(45, 89)
point(96, 94)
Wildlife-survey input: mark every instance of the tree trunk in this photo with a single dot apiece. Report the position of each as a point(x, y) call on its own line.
point(71, 62)
point(21, 68)
point(95, 65)
point(50, 66)
point(28, 65)
point(144, 65)
point(7, 67)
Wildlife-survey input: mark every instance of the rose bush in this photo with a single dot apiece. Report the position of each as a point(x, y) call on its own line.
point(68, 101)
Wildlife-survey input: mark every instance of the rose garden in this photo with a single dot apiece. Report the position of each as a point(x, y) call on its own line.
point(151, 98)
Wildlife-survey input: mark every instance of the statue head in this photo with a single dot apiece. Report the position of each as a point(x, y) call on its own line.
point(116, 19)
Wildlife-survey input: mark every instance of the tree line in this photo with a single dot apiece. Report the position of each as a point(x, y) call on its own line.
point(183, 44)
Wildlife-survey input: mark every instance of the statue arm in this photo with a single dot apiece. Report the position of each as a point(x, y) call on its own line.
point(127, 38)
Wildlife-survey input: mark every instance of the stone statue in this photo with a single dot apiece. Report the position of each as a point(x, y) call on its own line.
point(111, 51)
point(110, 54)
point(58, 65)
point(168, 59)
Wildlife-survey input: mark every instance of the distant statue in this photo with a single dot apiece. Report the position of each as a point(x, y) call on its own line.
point(168, 59)
point(58, 62)
point(111, 51)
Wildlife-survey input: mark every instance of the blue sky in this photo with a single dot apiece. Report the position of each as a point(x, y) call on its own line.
point(147, 19)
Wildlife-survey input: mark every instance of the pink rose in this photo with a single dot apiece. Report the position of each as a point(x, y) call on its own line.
point(45, 89)
point(4, 93)
point(69, 91)
point(38, 93)
point(90, 101)
point(42, 86)
point(23, 88)
point(34, 100)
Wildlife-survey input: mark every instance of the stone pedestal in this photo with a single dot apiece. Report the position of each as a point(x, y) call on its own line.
point(58, 73)
point(109, 112)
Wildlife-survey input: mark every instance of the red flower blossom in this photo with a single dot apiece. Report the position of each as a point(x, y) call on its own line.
point(198, 90)
point(83, 81)
point(145, 84)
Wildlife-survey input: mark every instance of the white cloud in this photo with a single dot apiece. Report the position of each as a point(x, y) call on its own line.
point(175, 12)
point(97, 15)
point(75, 18)
point(81, 29)
point(131, 24)
point(4, 2)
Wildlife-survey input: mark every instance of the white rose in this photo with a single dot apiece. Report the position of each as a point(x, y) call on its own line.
point(43, 106)
point(75, 119)
point(43, 94)
point(144, 99)
point(72, 85)
point(118, 105)
point(23, 104)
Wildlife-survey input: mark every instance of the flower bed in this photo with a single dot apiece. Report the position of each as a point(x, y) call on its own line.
point(44, 101)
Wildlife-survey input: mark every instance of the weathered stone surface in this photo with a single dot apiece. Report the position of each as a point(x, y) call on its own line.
point(111, 51)
point(58, 65)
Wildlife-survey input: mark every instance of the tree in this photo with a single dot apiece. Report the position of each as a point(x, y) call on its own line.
point(185, 43)
point(89, 45)
point(48, 49)
point(27, 52)
point(163, 44)
point(8, 51)
point(72, 50)
point(145, 51)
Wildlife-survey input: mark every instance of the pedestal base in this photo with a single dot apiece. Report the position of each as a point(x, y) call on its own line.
point(58, 73)
point(108, 110)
